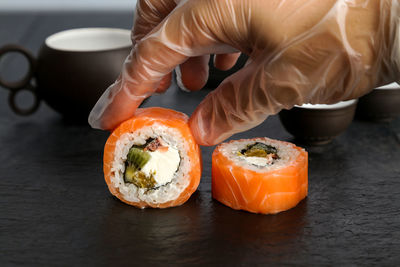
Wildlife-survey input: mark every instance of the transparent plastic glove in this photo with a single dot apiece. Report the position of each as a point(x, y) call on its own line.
point(305, 51)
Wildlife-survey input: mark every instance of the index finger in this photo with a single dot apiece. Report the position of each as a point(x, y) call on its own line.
point(157, 54)
point(141, 75)
point(148, 14)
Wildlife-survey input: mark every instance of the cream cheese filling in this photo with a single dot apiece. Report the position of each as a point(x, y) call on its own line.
point(162, 165)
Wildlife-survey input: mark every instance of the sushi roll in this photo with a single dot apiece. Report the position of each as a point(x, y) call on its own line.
point(152, 159)
point(259, 175)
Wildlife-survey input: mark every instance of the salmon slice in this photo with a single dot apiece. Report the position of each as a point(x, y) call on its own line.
point(259, 191)
point(148, 117)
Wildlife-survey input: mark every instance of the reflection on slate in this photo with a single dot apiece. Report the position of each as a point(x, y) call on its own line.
point(169, 234)
point(56, 208)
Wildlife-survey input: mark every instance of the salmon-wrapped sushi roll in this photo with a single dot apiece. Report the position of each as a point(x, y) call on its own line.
point(259, 175)
point(152, 159)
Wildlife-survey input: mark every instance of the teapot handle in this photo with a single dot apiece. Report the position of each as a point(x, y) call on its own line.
point(24, 84)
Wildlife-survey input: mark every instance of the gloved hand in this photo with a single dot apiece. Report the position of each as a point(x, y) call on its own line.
point(306, 51)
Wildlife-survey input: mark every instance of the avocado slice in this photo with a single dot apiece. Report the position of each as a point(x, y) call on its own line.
point(259, 150)
point(136, 160)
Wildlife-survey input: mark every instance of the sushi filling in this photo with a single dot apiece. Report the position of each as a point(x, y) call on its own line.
point(259, 154)
point(151, 165)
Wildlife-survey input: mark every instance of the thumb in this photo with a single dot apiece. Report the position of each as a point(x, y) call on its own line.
point(242, 101)
point(229, 109)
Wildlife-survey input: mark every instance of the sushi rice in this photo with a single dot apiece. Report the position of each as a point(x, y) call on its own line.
point(285, 153)
point(163, 193)
point(152, 159)
point(243, 182)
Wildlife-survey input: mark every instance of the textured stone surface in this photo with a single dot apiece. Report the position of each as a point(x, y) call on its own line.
point(56, 209)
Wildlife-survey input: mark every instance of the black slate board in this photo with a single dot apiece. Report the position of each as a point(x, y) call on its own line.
point(56, 209)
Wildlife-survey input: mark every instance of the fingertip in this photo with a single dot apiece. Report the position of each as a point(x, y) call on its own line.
point(205, 124)
point(115, 106)
point(225, 61)
point(194, 127)
point(199, 130)
point(95, 118)
point(192, 75)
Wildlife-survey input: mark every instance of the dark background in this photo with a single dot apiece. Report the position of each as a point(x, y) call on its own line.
point(56, 209)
